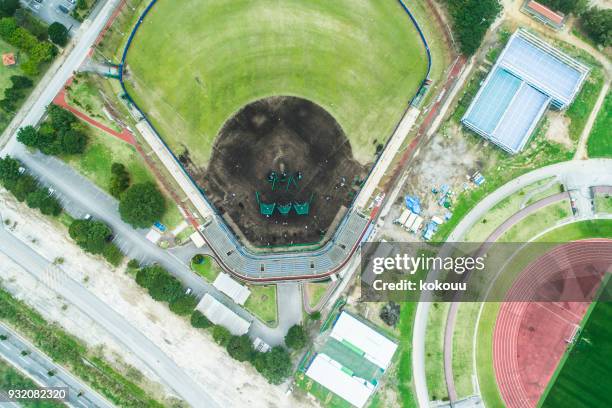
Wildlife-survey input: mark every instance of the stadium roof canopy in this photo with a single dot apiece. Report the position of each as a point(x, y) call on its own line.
point(362, 338)
point(528, 76)
point(222, 315)
point(332, 376)
point(237, 292)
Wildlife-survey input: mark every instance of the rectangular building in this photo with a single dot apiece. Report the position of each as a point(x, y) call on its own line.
point(528, 76)
point(237, 292)
point(222, 315)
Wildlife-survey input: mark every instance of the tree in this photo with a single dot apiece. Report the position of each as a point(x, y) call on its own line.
point(275, 365)
point(295, 337)
point(90, 235)
point(61, 119)
point(146, 275)
point(35, 198)
point(23, 186)
point(165, 287)
point(221, 335)
point(50, 206)
point(240, 348)
point(183, 305)
point(199, 321)
point(8, 7)
point(28, 136)
point(471, 20)
point(9, 169)
point(58, 33)
point(73, 141)
point(598, 25)
point(141, 205)
point(120, 179)
point(21, 82)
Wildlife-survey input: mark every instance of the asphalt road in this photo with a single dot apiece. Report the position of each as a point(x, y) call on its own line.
point(37, 366)
point(575, 175)
point(150, 355)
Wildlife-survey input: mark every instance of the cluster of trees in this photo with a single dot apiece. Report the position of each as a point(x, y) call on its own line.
point(8, 7)
point(25, 188)
point(60, 134)
point(141, 205)
point(38, 52)
point(597, 23)
point(164, 287)
point(13, 94)
point(296, 337)
point(95, 237)
point(471, 20)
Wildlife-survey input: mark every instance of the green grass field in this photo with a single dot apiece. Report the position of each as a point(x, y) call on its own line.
point(362, 61)
point(603, 203)
point(589, 358)
point(600, 142)
point(262, 303)
point(434, 352)
point(208, 269)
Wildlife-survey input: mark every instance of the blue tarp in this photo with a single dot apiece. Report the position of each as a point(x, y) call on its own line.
point(413, 204)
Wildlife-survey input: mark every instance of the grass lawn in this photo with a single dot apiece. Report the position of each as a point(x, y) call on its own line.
point(434, 352)
point(85, 95)
point(262, 303)
point(208, 269)
point(362, 61)
point(405, 385)
point(501, 211)
point(600, 141)
point(603, 203)
point(102, 151)
point(536, 222)
point(5, 75)
point(463, 338)
point(315, 291)
point(581, 108)
point(589, 358)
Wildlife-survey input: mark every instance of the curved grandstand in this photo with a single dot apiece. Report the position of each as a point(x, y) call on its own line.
point(352, 229)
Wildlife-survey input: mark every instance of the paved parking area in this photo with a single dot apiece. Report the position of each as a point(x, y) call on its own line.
point(49, 11)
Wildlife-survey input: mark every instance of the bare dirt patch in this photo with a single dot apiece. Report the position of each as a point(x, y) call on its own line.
point(558, 128)
point(297, 144)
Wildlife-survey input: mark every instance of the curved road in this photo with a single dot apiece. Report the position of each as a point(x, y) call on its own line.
point(575, 175)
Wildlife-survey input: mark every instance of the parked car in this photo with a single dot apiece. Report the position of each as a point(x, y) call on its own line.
point(63, 9)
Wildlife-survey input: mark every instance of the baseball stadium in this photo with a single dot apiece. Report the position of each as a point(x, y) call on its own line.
point(276, 111)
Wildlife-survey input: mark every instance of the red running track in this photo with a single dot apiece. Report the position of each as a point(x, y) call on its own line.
point(530, 337)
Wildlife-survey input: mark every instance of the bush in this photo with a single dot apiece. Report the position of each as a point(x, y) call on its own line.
point(221, 335)
point(141, 205)
point(471, 20)
point(9, 169)
point(199, 321)
point(58, 34)
point(274, 365)
point(295, 337)
point(198, 259)
point(183, 305)
point(23, 186)
point(120, 179)
point(597, 23)
point(240, 348)
point(316, 315)
point(112, 254)
point(133, 264)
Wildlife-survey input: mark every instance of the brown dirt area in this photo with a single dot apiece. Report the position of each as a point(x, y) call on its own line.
point(288, 136)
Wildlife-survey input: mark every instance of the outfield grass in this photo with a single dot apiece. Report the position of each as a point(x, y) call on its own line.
point(590, 358)
point(208, 269)
point(362, 61)
point(600, 141)
point(262, 303)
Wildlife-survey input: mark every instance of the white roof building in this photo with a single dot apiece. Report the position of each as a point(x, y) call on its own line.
point(197, 239)
point(237, 292)
point(376, 348)
point(222, 315)
point(330, 374)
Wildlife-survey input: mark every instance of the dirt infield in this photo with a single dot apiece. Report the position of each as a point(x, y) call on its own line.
point(310, 155)
point(530, 338)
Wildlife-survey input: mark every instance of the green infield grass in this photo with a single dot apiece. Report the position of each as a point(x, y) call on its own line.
point(362, 61)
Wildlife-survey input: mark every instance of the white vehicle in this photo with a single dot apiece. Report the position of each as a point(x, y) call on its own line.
point(51, 190)
point(188, 291)
point(437, 220)
point(87, 217)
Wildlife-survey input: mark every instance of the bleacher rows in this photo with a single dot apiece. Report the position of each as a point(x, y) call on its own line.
point(244, 263)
